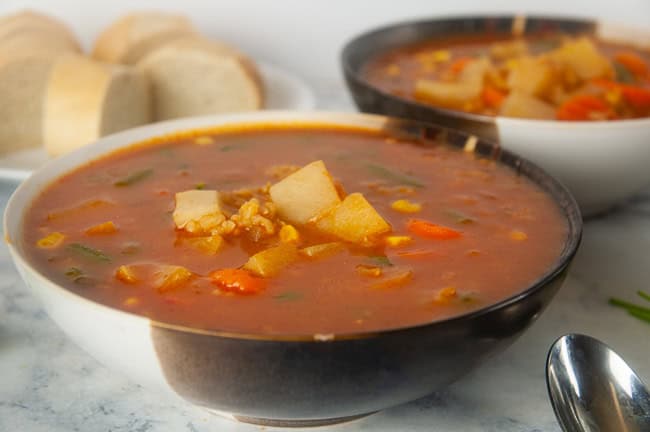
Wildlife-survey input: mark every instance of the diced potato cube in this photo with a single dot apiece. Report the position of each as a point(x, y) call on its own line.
point(447, 94)
point(455, 94)
point(192, 205)
point(354, 220)
point(508, 49)
point(518, 104)
point(102, 228)
point(209, 245)
point(305, 194)
point(51, 240)
point(322, 250)
point(271, 261)
point(170, 277)
point(532, 76)
point(474, 72)
point(131, 301)
point(126, 274)
point(582, 56)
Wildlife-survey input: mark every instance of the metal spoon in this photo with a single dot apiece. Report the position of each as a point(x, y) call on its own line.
point(593, 390)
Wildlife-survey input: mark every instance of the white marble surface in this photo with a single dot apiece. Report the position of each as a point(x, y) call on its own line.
point(49, 384)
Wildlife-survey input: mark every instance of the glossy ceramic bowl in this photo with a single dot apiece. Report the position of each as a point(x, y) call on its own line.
point(602, 163)
point(300, 379)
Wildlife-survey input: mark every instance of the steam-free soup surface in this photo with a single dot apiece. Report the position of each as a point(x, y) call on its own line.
point(439, 232)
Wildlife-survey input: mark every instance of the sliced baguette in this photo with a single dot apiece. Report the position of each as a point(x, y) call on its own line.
point(195, 76)
point(87, 99)
point(132, 36)
point(22, 87)
point(30, 21)
point(35, 42)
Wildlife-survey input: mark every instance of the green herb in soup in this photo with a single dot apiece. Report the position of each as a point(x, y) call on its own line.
point(548, 76)
point(304, 241)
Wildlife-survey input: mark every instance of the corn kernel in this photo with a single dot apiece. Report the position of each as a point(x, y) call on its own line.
point(102, 228)
point(131, 301)
point(441, 56)
point(512, 63)
point(406, 206)
point(393, 70)
point(613, 97)
point(445, 295)
point(397, 241)
point(370, 271)
point(288, 234)
point(518, 235)
point(51, 240)
point(126, 274)
point(203, 140)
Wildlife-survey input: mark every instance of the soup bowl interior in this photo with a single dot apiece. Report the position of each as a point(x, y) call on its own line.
point(601, 162)
point(297, 379)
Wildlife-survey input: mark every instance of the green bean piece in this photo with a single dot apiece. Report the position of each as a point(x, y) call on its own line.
point(133, 178)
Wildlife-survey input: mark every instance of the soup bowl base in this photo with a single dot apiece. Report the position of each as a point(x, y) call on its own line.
point(293, 423)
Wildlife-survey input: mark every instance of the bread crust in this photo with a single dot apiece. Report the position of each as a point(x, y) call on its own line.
point(132, 36)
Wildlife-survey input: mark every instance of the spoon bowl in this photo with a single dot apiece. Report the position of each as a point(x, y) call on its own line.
point(592, 389)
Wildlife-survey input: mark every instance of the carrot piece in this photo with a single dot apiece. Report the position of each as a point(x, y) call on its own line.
point(102, 228)
point(237, 281)
point(430, 230)
point(632, 62)
point(492, 97)
point(605, 83)
point(638, 97)
point(459, 64)
point(584, 107)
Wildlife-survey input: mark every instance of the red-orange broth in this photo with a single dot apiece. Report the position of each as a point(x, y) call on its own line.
point(510, 232)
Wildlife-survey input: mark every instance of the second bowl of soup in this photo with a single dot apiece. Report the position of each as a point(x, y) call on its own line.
point(293, 268)
point(572, 95)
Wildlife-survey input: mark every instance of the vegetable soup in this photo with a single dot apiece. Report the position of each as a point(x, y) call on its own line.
point(293, 230)
point(548, 76)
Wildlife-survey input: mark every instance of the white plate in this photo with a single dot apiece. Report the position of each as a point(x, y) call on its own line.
point(284, 91)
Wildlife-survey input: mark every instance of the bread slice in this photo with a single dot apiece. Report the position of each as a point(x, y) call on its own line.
point(132, 36)
point(35, 42)
point(87, 99)
point(30, 43)
point(30, 21)
point(22, 87)
point(196, 76)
